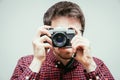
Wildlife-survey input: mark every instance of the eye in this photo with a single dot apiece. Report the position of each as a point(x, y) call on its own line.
point(81, 31)
point(70, 28)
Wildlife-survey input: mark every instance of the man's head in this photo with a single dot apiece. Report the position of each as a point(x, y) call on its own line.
point(64, 9)
point(65, 14)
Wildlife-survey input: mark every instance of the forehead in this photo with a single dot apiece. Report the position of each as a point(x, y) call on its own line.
point(66, 22)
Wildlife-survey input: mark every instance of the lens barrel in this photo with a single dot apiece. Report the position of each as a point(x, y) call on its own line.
point(59, 39)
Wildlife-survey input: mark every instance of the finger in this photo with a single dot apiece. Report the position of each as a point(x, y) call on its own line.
point(46, 26)
point(78, 44)
point(81, 43)
point(43, 31)
point(47, 46)
point(75, 38)
point(42, 47)
point(45, 39)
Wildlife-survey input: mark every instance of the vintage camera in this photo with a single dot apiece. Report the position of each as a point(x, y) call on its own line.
point(61, 36)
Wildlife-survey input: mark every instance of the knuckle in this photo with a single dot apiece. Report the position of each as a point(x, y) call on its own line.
point(39, 29)
point(46, 36)
point(33, 42)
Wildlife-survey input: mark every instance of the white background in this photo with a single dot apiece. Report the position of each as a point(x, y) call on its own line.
point(19, 20)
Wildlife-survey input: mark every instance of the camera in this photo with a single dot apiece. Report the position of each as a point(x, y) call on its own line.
point(61, 36)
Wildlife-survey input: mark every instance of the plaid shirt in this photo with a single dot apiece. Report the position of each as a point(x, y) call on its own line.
point(52, 69)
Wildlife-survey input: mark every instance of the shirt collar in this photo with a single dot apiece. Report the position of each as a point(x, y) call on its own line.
point(52, 61)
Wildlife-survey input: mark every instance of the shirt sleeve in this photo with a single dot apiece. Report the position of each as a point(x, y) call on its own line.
point(101, 72)
point(22, 71)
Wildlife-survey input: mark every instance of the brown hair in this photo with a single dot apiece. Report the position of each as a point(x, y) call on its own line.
point(64, 8)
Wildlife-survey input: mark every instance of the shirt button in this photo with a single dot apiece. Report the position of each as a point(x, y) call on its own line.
point(97, 77)
point(27, 78)
point(56, 65)
point(58, 62)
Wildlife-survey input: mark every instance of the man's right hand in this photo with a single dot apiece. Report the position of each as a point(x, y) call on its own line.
point(41, 44)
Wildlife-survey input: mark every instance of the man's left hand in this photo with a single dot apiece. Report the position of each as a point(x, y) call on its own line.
point(81, 47)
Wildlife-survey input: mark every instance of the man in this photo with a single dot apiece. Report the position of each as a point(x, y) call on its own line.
point(50, 62)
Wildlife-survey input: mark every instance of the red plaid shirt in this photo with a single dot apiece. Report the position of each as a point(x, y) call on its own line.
point(52, 69)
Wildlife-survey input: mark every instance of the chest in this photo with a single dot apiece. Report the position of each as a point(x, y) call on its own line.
point(55, 73)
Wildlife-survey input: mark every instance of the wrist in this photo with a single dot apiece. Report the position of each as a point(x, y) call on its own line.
point(92, 66)
point(35, 65)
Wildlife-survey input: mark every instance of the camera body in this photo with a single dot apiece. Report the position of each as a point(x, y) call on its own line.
point(61, 36)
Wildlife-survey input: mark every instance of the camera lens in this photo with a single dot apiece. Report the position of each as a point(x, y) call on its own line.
point(59, 39)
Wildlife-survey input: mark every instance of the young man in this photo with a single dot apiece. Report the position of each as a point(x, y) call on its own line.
point(52, 62)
